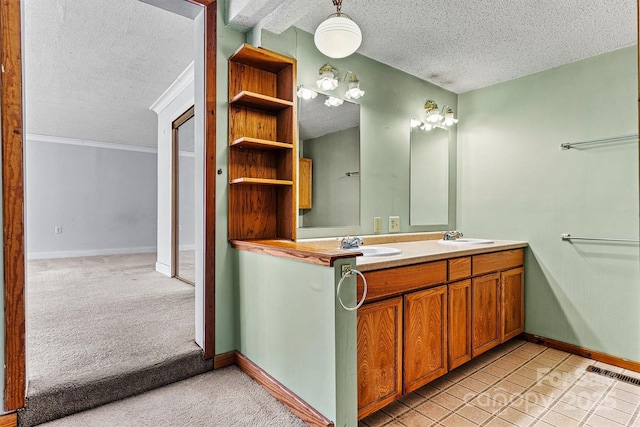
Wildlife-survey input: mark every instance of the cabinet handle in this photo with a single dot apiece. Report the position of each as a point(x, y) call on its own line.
point(345, 274)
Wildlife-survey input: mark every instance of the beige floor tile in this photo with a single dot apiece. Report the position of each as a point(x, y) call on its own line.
point(620, 393)
point(485, 377)
point(441, 383)
point(461, 392)
point(531, 373)
point(608, 367)
point(598, 421)
point(549, 363)
point(574, 412)
point(396, 409)
point(612, 414)
point(514, 358)
point(473, 384)
point(520, 380)
point(541, 423)
point(395, 423)
point(454, 376)
point(474, 413)
point(447, 400)
point(552, 353)
point(411, 400)
point(612, 401)
point(498, 422)
point(496, 371)
point(595, 382)
point(516, 417)
point(528, 407)
point(457, 421)
point(546, 389)
point(538, 399)
point(507, 366)
point(377, 419)
point(414, 418)
point(488, 404)
point(427, 391)
point(510, 387)
point(576, 360)
point(579, 400)
point(558, 419)
point(533, 348)
point(629, 388)
point(433, 410)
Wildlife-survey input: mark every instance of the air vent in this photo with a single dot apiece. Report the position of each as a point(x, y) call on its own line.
point(614, 375)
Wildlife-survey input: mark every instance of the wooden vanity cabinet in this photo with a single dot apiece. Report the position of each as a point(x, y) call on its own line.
point(379, 348)
point(485, 311)
point(512, 299)
point(459, 315)
point(425, 337)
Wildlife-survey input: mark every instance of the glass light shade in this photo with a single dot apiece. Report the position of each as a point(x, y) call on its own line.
point(305, 93)
point(426, 126)
point(327, 81)
point(333, 102)
point(434, 116)
point(449, 119)
point(354, 91)
point(415, 123)
point(338, 36)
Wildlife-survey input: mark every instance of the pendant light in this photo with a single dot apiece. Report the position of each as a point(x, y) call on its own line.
point(338, 36)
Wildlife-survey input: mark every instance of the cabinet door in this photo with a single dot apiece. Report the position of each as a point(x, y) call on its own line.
point(512, 317)
point(305, 183)
point(485, 295)
point(425, 337)
point(459, 323)
point(379, 333)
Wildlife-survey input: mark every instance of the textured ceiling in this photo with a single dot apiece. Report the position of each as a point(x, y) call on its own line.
point(462, 45)
point(93, 68)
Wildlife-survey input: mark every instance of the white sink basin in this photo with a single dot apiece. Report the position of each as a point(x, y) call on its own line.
point(376, 251)
point(465, 241)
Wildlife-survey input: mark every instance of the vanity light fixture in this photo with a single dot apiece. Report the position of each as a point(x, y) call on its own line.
point(328, 78)
point(332, 101)
point(338, 36)
point(305, 93)
point(436, 118)
point(353, 87)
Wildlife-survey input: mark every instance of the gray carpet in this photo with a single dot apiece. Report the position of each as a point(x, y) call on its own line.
point(225, 397)
point(103, 328)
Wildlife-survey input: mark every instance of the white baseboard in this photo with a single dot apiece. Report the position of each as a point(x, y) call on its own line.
point(89, 252)
point(163, 268)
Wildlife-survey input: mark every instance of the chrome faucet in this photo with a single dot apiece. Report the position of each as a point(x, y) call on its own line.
point(452, 235)
point(351, 242)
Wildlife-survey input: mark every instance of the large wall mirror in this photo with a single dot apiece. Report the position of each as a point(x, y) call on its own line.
point(429, 177)
point(330, 144)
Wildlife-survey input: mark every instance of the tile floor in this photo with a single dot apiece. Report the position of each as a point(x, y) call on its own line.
point(518, 384)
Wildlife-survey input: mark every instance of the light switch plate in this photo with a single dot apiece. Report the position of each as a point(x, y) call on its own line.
point(394, 224)
point(377, 224)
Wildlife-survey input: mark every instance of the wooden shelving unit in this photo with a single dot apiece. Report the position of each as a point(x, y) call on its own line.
point(262, 145)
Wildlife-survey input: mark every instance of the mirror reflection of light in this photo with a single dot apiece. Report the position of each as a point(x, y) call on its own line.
point(333, 102)
point(306, 94)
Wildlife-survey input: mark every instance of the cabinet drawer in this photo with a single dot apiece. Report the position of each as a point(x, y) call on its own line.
point(459, 268)
point(399, 280)
point(486, 263)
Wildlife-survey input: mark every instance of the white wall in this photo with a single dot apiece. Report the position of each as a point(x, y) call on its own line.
point(102, 195)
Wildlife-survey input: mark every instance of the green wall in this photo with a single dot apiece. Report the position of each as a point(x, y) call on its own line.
point(227, 333)
point(516, 183)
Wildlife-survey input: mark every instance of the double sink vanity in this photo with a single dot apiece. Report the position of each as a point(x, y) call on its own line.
point(430, 306)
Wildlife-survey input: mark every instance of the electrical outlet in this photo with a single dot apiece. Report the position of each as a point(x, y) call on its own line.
point(57, 229)
point(394, 224)
point(346, 268)
point(377, 224)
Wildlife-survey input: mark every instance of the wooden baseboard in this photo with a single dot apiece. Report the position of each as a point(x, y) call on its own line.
point(298, 406)
point(9, 420)
point(581, 351)
point(223, 360)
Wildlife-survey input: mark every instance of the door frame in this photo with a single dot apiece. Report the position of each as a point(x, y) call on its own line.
point(175, 196)
point(11, 110)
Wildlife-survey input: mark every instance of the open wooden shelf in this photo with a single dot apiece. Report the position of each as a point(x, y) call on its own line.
point(259, 101)
point(262, 144)
point(260, 181)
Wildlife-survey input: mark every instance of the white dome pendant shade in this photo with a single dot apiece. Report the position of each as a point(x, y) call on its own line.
point(338, 36)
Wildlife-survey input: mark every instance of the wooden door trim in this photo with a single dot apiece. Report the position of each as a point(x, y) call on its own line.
point(175, 182)
point(12, 205)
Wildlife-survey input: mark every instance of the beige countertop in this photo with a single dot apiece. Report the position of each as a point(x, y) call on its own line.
point(431, 250)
